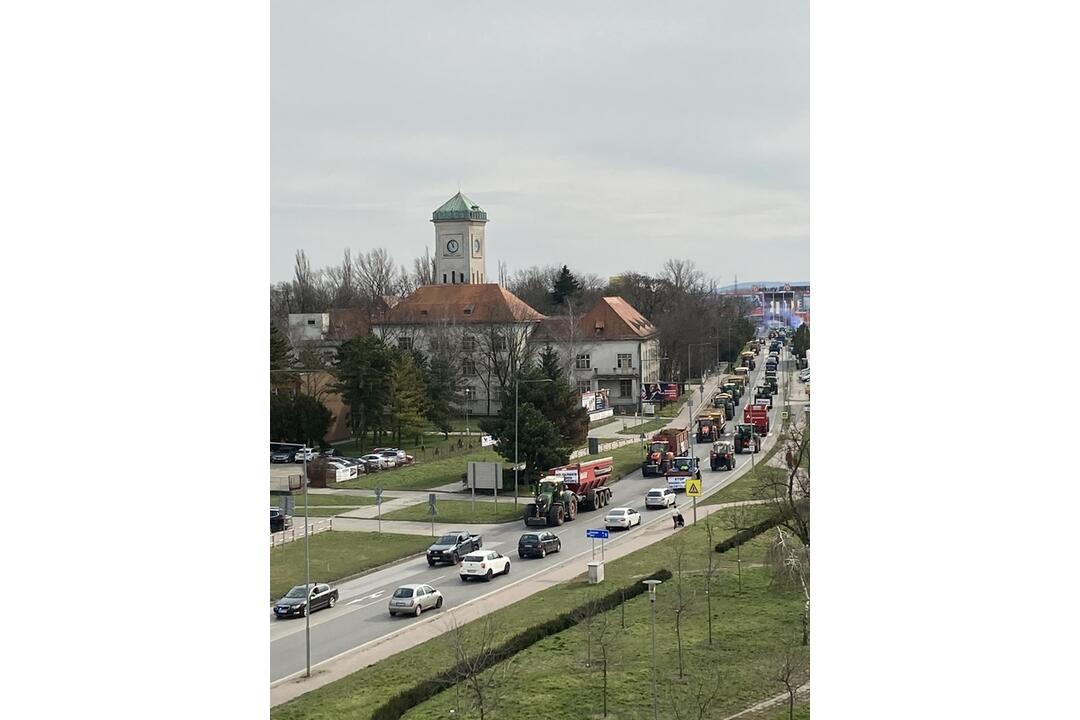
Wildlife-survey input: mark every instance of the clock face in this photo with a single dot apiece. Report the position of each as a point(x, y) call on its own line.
point(476, 245)
point(452, 246)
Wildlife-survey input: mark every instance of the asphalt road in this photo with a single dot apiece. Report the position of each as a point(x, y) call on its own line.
point(361, 614)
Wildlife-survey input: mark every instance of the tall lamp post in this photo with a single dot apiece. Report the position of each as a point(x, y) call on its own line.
point(307, 542)
point(652, 604)
point(517, 382)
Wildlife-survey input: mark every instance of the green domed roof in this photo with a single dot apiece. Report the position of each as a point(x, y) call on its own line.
point(459, 207)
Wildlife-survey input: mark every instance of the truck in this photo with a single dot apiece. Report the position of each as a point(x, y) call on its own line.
point(763, 392)
point(711, 425)
point(747, 358)
point(682, 469)
point(664, 446)
point(745, 438)
point(742, 373)
point(568, 488)
point(758, 416)
point(453, 546)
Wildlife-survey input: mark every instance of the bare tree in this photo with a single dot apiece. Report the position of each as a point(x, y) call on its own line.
point(424, 269)
point(791, 672)
point(375, 275)
point(791, 570)
point(477, 667)
point(788, 493)
point(710, 570)
point(684, 596)
point(341, 279)
point(737, 521)
point(706, 690)
point(608, 639)
point(501, 345)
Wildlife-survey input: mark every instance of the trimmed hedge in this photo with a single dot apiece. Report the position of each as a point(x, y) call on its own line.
point(426, 689)
point(745, 536)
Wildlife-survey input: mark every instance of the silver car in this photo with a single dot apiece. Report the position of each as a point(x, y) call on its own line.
point(414, 599)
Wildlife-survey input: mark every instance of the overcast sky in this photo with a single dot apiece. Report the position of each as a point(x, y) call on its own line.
point(609, 136)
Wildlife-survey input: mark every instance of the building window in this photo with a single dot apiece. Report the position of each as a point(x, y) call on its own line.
point(626, 360)
point(468, 343)
point(310, 322)
point(584, 386)
point(468, 368)
point(444, 278)
point(498, 342)
point(583, 362)
point(626, 388)
point(404, 342)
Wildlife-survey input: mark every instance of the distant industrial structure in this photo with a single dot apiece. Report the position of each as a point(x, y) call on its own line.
point(775, 304)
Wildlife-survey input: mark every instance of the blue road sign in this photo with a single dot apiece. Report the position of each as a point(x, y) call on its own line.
point(602, 534)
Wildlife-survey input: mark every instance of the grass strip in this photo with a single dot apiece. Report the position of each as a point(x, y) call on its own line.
point(460, 511)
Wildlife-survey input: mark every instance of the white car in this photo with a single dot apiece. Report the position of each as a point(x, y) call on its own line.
point(484, 564)
point(399, 454)
point(414, 599)
point(305, 454)
point(379, 459)
point(660, 498)
point(389, 457)
point(625, 518)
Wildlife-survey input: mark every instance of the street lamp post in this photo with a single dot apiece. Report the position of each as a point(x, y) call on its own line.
point(652, 604)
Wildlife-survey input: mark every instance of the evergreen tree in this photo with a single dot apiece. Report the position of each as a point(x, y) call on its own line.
point(298, 418)
point(408, 395)
point(539, 445)
point(363, 369)
point(549, 363)
point(566, 286)
point(280, 358)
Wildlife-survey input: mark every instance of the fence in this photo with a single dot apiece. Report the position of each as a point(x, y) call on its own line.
point(604, 447)
point(294, 533)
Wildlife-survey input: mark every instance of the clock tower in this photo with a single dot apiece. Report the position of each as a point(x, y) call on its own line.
point(459, 242)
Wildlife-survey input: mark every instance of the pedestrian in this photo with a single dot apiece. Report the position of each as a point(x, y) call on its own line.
point(675, 519)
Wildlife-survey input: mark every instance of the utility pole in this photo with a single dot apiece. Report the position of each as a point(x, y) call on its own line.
point(652, 604)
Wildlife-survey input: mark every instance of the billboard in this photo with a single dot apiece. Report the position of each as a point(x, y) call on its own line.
point(595, 400)
point(660, 392)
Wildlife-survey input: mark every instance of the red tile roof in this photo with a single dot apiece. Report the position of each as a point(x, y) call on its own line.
point(467, 303)
point(611, 318)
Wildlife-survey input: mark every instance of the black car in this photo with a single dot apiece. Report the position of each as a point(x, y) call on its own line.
point(538, 544)
point(295, 602)
point(279, 521)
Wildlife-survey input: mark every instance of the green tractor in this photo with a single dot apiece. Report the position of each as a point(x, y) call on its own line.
point(763, 392)
point(746, 439)
point(553, 505)
point(770, 382)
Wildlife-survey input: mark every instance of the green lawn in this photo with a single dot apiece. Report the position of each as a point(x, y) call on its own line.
point(425, 473)
point(322, 511)
point(460, 511)
point(336, 554)
point(749, 630)
point(646, 427)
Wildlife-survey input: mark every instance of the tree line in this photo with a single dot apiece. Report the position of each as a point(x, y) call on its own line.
point(680, 299)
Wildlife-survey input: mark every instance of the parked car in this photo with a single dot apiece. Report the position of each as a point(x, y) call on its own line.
point(376, 461)
point(278, 520)
point(282, 456)
point(625, 518)
point(304, 453)
point(398, 453)
point(329, 452)
point(660, 498)
point(538, 544)
point(484, 565)
point(295, 602)
point(414, 599)
point(389, 458)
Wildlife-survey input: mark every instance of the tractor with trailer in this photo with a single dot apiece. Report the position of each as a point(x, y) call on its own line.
point(763, 393)
point(747, 358)
point(724, 401)
point(567, 489)
point(729, 387)
point(710, 425)
point(746, 439)
point(758, 416)
point(664, 446)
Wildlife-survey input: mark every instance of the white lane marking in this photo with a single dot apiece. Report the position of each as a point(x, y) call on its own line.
point(372, 596)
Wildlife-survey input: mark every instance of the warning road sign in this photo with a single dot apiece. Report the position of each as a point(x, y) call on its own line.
point(693, 487)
